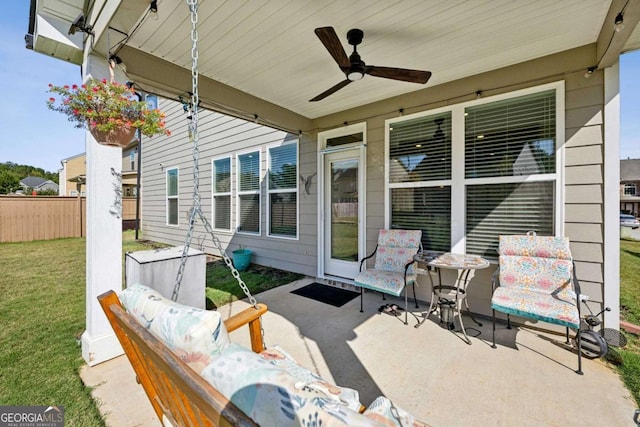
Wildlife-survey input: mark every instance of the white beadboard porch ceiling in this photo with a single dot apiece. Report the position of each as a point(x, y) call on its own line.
point(268, 48)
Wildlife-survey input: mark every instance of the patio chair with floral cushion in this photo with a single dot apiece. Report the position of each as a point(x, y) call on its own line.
point(393, 269)
point(536, 279)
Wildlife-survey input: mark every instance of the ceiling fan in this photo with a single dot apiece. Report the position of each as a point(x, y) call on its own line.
point(354, 68)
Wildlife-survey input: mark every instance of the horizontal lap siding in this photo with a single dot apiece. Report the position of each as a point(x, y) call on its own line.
point(221, 136)
point(584, 178)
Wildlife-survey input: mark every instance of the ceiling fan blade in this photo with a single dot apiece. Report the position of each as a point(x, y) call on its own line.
point(328, 92)
point(413, 76)
point(331, 42)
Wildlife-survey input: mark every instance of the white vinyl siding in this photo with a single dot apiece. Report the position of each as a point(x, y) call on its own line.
point(221, 187)
point(172, 196)
point(249, 194)
point(283, 190)
point(468, 173)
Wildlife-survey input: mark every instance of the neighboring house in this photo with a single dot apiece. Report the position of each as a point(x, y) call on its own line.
point(517, 130)
point(73, 175)
point(630, 186)
point(37, 183)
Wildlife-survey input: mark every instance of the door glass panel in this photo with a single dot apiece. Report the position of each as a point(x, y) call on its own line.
point(344, 210)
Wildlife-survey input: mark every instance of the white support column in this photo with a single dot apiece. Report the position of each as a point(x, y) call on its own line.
point(612, 195)
point(104, 235)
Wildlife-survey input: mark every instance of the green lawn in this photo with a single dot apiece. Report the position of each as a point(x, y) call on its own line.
point(222, 288)
point(42, 312)
point(630, 311)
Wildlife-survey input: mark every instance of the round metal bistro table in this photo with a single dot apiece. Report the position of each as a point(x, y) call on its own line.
point(450, 296)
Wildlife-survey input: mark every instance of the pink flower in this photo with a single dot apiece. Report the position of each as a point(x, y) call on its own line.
point(74, 87)
point(52, 100)
point(104, 81)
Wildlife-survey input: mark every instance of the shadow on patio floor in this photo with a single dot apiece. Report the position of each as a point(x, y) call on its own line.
point(528, 380)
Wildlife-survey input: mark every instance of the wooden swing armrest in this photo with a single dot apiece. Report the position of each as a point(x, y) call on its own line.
point(250, 316)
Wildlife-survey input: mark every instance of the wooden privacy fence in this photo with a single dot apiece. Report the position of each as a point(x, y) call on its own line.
point(26, 218)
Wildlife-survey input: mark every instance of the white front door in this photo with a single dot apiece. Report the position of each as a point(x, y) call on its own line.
point(342, 203)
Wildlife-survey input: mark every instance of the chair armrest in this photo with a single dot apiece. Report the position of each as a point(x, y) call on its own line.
point(495, 279)
point(367, 257)
point(250, 316)
point(576, 288)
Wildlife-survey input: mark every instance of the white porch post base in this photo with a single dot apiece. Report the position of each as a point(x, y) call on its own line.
point(100, 349)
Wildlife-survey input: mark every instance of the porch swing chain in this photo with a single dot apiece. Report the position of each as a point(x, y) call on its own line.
point(196, 210)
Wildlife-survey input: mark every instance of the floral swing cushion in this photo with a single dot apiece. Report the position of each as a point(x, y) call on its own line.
point(197, 336)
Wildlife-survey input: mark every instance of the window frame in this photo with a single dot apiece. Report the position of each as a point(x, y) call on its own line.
point(295, 190)
point(630, 186)
point(459, 183)
point(176, 196)
point(224, 193)
point(249, 192)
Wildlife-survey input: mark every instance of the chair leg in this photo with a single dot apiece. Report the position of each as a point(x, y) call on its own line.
point(361, 298)
point(383, 297)
point(567, 340)
point(578, 338)
point(406, 307)
point(415, 300)
point(493, 312)
point(508, 321)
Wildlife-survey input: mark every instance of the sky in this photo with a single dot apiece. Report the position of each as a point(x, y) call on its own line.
point(36, 136)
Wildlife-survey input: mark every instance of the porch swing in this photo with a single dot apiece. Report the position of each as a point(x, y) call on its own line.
point(191, 372)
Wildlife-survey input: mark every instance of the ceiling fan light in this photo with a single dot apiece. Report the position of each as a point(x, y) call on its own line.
point(355, 75)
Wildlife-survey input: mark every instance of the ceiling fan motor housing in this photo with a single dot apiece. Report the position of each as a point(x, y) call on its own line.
point(354, 36)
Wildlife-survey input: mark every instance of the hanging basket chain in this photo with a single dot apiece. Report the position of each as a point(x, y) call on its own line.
point(196, 210)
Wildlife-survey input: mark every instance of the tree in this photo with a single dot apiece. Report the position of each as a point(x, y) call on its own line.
point(8, 182)
point(23, 171)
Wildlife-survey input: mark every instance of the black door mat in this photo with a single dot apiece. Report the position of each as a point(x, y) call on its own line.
point(327, 294)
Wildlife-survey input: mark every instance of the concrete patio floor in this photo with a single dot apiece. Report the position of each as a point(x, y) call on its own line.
point(528, 380)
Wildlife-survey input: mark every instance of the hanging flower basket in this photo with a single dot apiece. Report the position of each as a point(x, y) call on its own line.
point(110, 111)
point(120, 137)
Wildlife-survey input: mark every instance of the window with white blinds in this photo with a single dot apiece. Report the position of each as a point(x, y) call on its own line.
point(249, 192)
point(511, 208)
point(172, 196)
point(512, 139)
point(427, 209)
point(283, 190)
point(420, 177)
point(221, 175)
point(492, 165)
point(420, 149)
